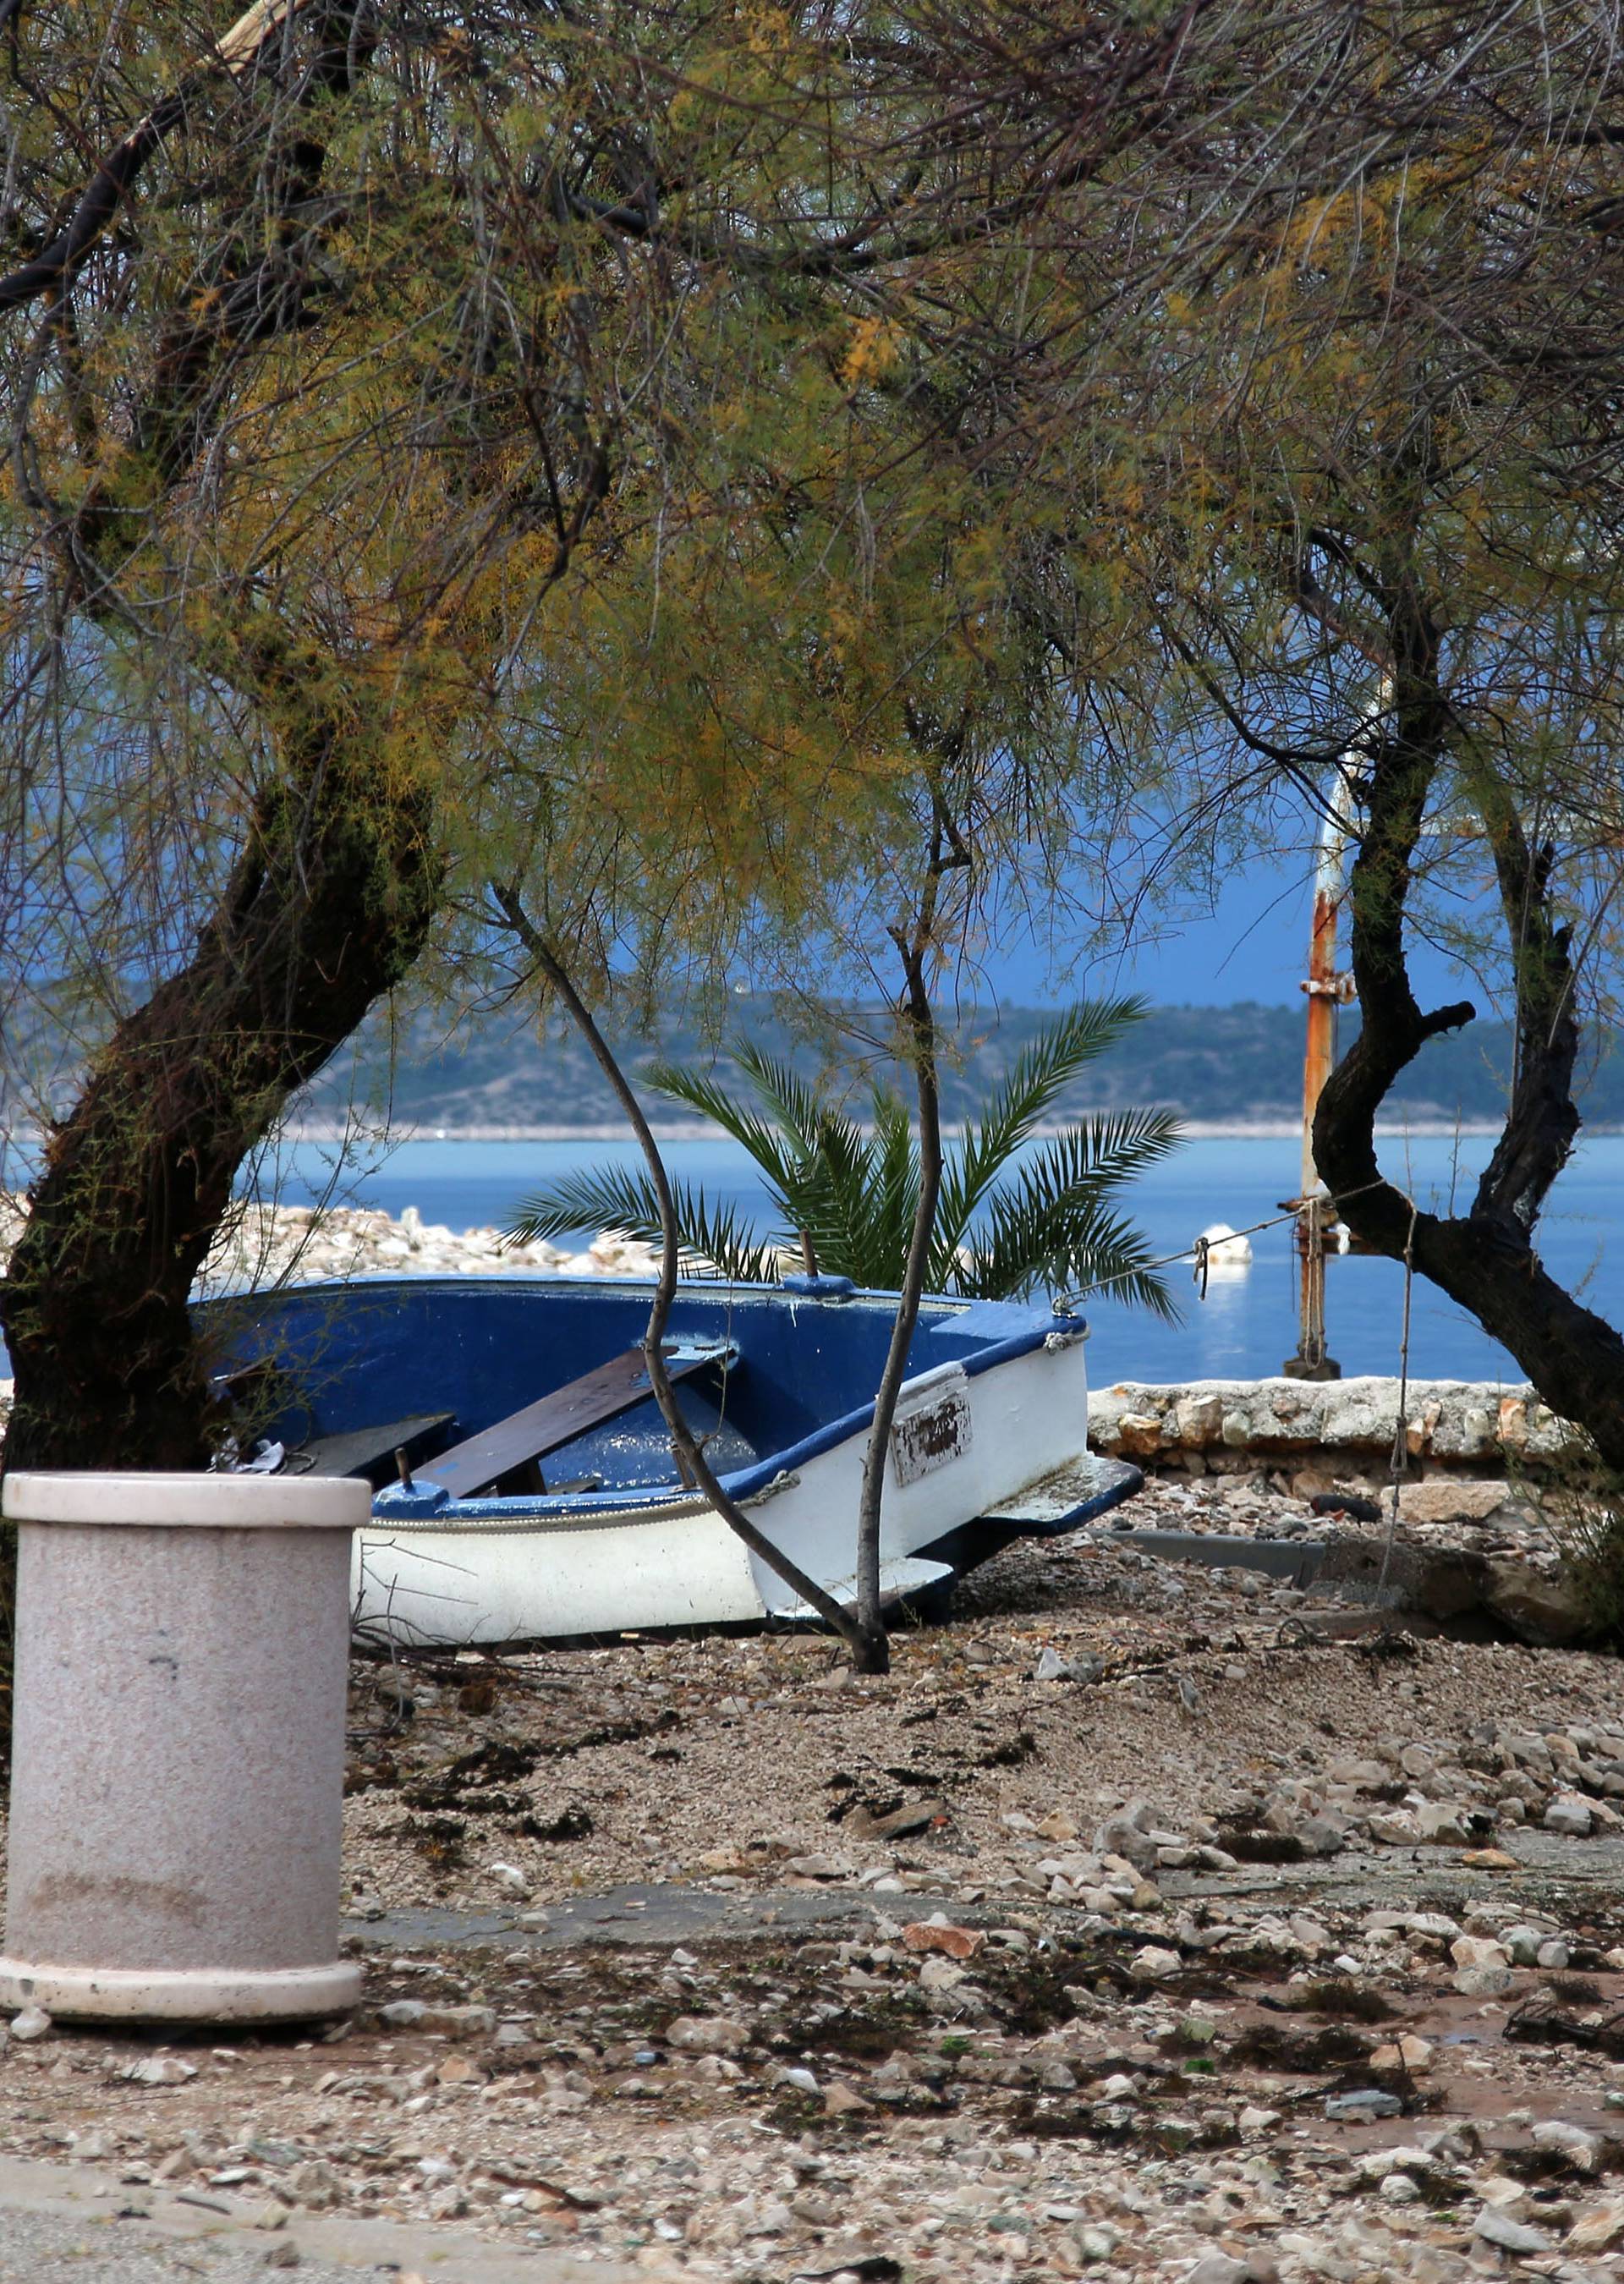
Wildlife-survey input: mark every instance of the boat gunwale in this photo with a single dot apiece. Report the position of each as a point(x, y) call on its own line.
point(653, 1501)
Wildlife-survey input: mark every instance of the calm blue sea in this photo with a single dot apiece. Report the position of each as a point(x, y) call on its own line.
point(1245, 1325)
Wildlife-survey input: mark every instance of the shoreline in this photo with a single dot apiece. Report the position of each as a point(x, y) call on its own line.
point(331, 1134)
point(1197, 1129)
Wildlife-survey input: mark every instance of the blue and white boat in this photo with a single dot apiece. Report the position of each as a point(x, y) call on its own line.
point(526, 1484)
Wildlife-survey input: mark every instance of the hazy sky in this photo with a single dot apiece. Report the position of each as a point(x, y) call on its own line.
point(1254, 946)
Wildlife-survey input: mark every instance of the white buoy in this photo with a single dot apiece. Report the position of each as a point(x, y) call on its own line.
point(1227, 1255)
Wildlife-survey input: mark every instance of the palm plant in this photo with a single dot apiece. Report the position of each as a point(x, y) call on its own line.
point(1003, 1230)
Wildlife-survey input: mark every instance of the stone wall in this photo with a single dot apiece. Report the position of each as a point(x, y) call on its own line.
point(1344, 1428)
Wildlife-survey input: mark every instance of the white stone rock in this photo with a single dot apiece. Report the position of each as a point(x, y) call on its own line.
point(1595, 2228)
point(158, 2070)
point(1496, 2226)
point(1583, 2150)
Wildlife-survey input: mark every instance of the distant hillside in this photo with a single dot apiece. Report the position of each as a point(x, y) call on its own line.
point(1219, 1066)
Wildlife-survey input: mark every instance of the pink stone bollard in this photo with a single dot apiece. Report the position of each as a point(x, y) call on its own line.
point(178, 1761)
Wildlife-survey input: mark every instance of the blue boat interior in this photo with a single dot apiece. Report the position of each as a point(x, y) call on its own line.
point(322, 1360)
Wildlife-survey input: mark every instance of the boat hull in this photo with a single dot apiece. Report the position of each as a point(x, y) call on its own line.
point(1005, 1406)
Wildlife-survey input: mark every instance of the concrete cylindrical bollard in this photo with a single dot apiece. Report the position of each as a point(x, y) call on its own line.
point(178, 1745)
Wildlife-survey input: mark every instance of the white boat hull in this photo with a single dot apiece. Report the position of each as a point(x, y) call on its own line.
point(964, 1444)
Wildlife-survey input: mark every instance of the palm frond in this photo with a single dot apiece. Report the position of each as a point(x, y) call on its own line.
point(1001, 1230)
point(611, 1198)
point(1040, 1075)
point(698, 1090)
point(797, 1108)
point(607, 1197)
point(893, 1190)
point(1054, 1228)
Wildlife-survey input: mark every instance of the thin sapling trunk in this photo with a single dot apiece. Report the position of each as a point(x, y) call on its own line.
point(684, 1441)
point(948, 854)
point(922, 1029)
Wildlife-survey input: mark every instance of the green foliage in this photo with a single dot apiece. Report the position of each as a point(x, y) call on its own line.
point(1581, 1501)
point(1004, 1228)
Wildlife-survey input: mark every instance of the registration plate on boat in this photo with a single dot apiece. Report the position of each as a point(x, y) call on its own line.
point(930, 1433)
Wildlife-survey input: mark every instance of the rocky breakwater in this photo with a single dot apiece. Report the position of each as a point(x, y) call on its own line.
point(266, 1243)
point(274, 1244)
point(1348, 1426)
point(263, 1243)
point(1474, 1544)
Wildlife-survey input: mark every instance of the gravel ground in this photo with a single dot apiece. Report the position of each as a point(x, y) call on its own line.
point(57, 2249)
point(1209, 1959)
point(725, 1758)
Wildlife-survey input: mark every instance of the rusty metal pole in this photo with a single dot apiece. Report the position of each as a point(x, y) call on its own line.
point(1315, 1212)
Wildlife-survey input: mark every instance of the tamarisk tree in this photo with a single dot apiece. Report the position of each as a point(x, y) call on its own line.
point(1387, 581)
point(338, 349)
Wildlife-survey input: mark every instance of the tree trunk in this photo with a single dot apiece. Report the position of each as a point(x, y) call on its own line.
point(875, 1656)
point(1485, 1259)
point(326, 908)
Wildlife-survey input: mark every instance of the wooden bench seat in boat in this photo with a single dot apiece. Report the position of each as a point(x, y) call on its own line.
point(369, 1452)
point(505, 1458)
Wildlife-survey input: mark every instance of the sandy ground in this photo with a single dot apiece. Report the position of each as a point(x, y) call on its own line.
point(938, 2025)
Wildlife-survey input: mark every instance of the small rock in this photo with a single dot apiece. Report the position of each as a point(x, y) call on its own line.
point(820, 1867)
point(459, 2022)
point(1051, 1666)
point(156, 2069)
point(1583, 2150)
point(937, 1934)
point(1490, 1860)
point(913, 1816)
point(1483, 1982)
point(1218, 2268)
point(1126, 1834)
point(1498, 2228)
point(281, 2256)
point(1154, 1964)
point(1521, 1944)
point(1366, 2101)
point(1443, 1824)
point(33, 2023)
point(843, 2100)
point(1395, 1827)
point(1595, 2228)
point(1439, 1499)
point(1569, 1815)
point(707, 2034)
point(1477, 1951)
point(1481, 1968)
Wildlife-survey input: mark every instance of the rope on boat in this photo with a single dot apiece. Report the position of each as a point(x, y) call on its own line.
point(1198, 1251)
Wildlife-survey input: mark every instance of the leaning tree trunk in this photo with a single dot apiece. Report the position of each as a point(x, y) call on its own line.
point(326, 907)
point(1485, 1259)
